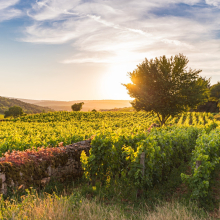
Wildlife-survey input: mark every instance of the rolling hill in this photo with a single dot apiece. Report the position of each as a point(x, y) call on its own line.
point(28, 108)
point(88, 104)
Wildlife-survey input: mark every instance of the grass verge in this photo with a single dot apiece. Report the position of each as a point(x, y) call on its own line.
point(75, 206)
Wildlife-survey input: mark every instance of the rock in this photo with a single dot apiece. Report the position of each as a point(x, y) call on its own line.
point(49, 171)
point(2, 177)
point(51, 166)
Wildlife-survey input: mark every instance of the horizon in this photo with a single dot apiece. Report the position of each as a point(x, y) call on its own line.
point(67, 100)
point(57, 105)
point(75, 50)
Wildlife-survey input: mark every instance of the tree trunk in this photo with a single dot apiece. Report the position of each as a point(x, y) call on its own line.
point(163, 120)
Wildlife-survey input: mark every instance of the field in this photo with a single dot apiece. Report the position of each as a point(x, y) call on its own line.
point(1, 116)
point(171, 153)
point(48, 129)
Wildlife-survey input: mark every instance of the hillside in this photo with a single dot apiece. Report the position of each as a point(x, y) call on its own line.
point(88, 104)
point(5, 103)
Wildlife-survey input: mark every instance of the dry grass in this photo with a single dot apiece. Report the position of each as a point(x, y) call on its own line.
point(52, 207)
point(174, 211)
point(59, 208)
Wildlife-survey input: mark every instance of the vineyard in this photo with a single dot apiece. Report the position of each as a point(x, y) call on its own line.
point(48, 129)
point(119, 139)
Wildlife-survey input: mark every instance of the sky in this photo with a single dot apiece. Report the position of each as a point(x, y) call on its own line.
point(83, 49)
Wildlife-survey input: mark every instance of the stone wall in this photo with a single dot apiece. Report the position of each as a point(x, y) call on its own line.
point(22, 169)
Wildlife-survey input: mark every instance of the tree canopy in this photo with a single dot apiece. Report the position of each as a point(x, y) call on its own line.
point(14, 111)
point(215, 92)
point(77, 106)
point(167, 87)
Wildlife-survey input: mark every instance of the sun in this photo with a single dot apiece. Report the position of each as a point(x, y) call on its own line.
point(112, 80)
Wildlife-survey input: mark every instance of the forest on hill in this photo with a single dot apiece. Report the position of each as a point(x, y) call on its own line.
point(6, 103)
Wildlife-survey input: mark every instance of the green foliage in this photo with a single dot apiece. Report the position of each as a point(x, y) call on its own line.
point(115, 154)
point(6, 103)
point(215, 92)
point(118, 141)
point(165, 87)
point(49, 129)
point(14, 111)
point(77, 106)
point(207, 151)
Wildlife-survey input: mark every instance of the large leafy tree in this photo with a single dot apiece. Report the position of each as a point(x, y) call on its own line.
point(167, 87)
point(14, 111)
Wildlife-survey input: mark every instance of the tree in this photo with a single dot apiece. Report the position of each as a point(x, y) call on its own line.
point(94, 110)
point(14, 111)
point(215, 92)
point(77, 106)
point(165, 87)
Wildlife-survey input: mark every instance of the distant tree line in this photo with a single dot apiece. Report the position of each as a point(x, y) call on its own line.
point(213, 103)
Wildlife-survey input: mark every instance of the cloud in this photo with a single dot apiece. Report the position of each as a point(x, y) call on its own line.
point(57, 34)
point(127, 31)
point(73, 15)
point(215, 3)
point(7, 11)
point(8, 3)
point(51, 9)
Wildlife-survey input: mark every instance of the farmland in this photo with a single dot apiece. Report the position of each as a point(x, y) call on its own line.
point(118, 141)
point(48, 129)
